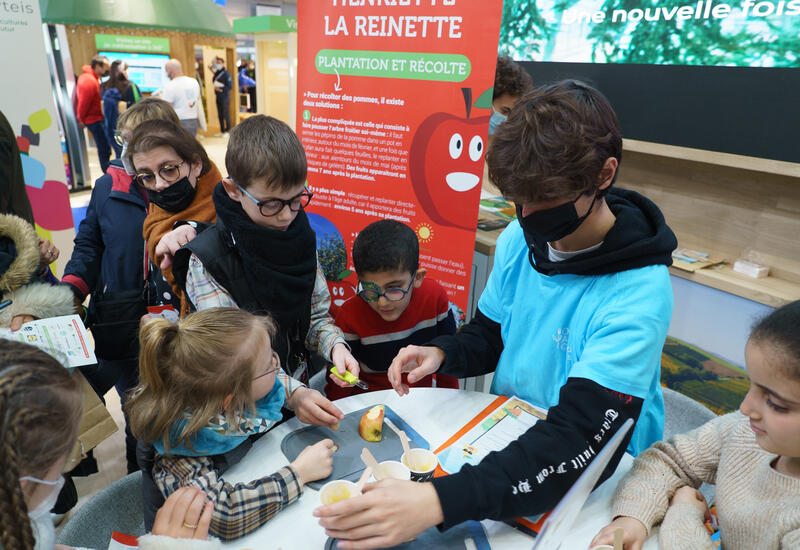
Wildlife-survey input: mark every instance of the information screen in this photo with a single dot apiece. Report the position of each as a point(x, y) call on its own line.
point(741, 33)
point(705, 74)
point(146, 70)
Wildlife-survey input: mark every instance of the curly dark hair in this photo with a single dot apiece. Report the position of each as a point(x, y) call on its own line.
point(386, 245)
point(510, 78)
point(780, 331)
point(555, 143)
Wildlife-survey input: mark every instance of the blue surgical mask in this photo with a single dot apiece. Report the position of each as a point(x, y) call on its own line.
point(496, 120)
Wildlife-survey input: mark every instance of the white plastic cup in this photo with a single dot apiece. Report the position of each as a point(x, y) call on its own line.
point(422, 464)
point(392, 469)
point(602, 547)
point(337, 490)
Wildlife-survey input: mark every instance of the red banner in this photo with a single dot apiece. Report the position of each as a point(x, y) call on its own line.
point(394, 100)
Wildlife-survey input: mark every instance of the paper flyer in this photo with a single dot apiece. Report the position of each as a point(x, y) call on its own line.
point(65, 338)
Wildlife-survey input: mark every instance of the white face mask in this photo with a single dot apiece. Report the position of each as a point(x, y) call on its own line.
point(127, 163)
point(43, 508)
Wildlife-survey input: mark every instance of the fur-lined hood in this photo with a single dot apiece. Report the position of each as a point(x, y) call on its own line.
point(27, 259)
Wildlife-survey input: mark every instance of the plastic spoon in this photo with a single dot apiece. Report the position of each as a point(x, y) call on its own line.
point(363, 479)
point(370, 462)
point(406, 449)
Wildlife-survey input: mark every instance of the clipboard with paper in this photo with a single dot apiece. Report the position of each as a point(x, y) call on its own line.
point(503, 421)
point(496, 427)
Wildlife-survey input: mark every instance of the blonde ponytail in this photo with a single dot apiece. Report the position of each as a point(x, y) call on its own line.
point(195, 365)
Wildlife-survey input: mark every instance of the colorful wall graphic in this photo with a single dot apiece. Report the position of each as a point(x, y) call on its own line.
point(27, 102)
point(393, 111)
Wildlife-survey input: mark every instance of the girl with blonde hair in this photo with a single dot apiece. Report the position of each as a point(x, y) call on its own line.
point(207, 385)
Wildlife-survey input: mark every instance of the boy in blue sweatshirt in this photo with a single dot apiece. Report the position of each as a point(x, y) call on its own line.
point(573, 319)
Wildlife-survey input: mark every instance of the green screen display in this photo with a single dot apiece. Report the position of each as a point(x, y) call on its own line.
point(743, 33)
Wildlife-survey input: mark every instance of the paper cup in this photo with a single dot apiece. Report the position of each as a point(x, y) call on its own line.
point(602, 547)
point(337, 490)
point(392, 469)
point(422, 463)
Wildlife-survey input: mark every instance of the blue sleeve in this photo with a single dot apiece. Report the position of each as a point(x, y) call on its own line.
point(228, 80)
point(623, 349)
point(83, 269)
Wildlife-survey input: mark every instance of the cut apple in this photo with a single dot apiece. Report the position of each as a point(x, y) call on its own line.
point(371, 424)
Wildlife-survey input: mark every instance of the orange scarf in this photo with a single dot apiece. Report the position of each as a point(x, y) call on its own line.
point(159, 222)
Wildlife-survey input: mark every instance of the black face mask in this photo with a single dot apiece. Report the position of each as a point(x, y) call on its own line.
point(555, 223)
point(174, 198)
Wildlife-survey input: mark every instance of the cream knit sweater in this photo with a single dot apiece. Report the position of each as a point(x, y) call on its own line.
point(757, 507)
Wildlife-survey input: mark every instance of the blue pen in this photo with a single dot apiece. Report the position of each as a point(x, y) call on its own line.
point(4, 304)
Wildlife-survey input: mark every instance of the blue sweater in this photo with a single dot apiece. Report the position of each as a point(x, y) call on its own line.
point(606, 328)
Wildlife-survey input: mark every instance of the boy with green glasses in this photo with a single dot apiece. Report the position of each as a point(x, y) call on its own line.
point(396, 306)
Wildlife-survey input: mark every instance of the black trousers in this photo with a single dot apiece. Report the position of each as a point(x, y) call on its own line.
point(223, 112)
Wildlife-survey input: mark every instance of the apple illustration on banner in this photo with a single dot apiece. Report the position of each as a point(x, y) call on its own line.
point(446, 165)
point(341, 291)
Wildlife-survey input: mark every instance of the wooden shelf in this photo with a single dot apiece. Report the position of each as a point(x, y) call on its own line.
point(756, 164)
point(771, 291)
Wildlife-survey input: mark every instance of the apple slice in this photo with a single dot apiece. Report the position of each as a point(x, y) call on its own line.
point(371, 424)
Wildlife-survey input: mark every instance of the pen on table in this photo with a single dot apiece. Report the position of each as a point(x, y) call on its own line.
point(4, 304)
point(349, 378)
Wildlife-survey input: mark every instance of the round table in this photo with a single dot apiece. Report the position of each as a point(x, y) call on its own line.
point(436, 414)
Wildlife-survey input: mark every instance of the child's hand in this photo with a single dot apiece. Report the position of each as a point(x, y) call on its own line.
point(633, 539)
point(418, 361)
point(315, 461)
point(692, 496)
point(312, 407)
point(343, 360)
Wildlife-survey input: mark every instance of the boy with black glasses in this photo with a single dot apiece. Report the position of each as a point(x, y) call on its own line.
point(261, 256)
point(396, 306)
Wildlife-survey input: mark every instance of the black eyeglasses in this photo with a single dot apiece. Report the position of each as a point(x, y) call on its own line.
point(276, 361)
point(170, 172)
point(271, 207)
point(370, 292)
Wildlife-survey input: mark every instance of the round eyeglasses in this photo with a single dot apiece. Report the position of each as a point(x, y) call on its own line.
point(170, 172)
point(370, 292)
point(271, 207)
point(276, 362)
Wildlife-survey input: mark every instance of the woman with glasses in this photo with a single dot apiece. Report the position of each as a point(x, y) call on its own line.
point(108, 262)
point(178, 178)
